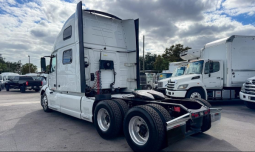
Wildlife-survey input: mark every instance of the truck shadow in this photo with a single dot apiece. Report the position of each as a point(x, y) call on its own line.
point(227, 103)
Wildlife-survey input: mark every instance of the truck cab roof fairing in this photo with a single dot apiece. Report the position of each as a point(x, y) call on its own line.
point(103, 13)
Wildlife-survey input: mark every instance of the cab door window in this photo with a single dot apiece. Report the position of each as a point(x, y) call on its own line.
point(67, 57)
point(215, 67)
point(53, 64)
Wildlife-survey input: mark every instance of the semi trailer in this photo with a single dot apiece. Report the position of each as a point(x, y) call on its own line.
point(94, 76)
point(217, 71)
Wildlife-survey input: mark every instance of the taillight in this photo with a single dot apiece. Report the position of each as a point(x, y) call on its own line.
point(26, 83)
point(41, 83)
point(177, 109)
point(195, 115)
point(207, 112)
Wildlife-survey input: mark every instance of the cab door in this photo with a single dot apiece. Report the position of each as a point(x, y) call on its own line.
point(213, 75)
point(52, 78)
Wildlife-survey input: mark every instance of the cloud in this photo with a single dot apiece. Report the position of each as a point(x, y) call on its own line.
point(237, 7)
point(30, 27)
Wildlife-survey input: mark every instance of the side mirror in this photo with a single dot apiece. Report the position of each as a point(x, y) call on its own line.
point(43, 64)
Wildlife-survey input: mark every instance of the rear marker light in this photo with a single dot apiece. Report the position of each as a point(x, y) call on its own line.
point(177, 126)
point(195, 115)
point(207, 112)
point(177, 109)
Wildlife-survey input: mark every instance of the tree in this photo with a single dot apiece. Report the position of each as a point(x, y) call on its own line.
point(161, 63)
point(172, 54)
point(25, 68)
point(149, 60)
point(9, 66)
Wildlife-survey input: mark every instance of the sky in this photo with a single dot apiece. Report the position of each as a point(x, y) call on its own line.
point(29, 27)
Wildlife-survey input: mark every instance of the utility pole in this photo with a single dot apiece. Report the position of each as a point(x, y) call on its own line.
point(143, 55)
point(29, 62)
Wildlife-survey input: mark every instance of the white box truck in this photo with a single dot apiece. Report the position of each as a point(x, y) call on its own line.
point(94, 72)
point(178, 71)
point(218, 71)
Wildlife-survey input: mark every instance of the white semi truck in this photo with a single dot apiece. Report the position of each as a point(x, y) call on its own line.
point(94, 72)
point(247, 93)
point(218, 71)
point(177, 69)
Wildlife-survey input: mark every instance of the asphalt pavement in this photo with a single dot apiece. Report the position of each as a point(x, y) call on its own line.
point(24, 126)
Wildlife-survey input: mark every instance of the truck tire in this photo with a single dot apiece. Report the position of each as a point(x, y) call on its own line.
point(203, 101)
point(150, 134)
point(108, 119)
point(7, 87)
point(195, 93)
point(37, 90)
point(163, 113)
point(122, 106)
point(22, 89)
point(44, 103)
point(250, 105)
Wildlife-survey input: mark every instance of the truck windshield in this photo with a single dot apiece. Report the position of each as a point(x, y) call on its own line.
point(194, 67)
point(164, 75)
point(178, 71)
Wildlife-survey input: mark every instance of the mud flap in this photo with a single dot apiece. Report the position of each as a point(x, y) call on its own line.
point(175, 134)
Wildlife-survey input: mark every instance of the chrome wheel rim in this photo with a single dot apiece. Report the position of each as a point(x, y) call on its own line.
point(45, 102)
point(103, 119)
point(195, 95)
point(138, 130)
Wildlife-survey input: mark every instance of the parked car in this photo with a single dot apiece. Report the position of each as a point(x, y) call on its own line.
point(5, 76)
point(247, 93)
point(41, 78)
point(23, 83)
